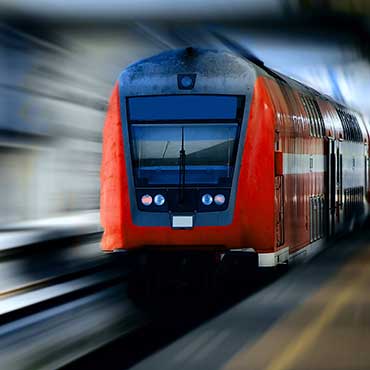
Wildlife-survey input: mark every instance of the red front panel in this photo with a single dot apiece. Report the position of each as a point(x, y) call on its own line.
point(253, 225)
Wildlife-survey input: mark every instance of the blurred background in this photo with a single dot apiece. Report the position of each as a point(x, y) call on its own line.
point(59, 60)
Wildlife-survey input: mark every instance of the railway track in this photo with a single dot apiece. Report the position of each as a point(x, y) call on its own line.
point(68, 329)
point(68, 311)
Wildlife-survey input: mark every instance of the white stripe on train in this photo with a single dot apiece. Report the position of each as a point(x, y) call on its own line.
point(303, 163)
point(283, 256)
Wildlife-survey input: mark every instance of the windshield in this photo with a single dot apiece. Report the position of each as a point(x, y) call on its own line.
point(209, 153)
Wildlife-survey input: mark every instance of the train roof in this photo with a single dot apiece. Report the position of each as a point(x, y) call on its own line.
point(208, 62)
point(212, 63)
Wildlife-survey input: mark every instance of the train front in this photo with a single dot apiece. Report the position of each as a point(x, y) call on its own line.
point(181, 128)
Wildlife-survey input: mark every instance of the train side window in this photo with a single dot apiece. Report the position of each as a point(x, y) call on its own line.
point(357, 134)
point(351, 125)
point(356, 127)
point(310, 114)
point(307, 115)
point(303, 99)
point(321, 120)
point(358, 130)
point(314, 118)
point(341, 120)
point(352, 129)
point(305, 109)
point(317, 124)
point(345, 125)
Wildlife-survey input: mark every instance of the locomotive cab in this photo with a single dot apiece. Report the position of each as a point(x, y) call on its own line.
point(182, 124)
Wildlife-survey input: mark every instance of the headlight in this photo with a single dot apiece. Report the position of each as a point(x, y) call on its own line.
point(207, 199)
point(159, 200)
point(186, 81)
point(146, 200)
point(219, 199)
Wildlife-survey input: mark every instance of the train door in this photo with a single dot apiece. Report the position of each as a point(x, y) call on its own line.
point(279, 193)
point(364, 199)
point(366, 169)
point(279, 210)
point(339, 186)
point(335, 185)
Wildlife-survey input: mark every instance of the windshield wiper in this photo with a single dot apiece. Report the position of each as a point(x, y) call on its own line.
point(182, 160)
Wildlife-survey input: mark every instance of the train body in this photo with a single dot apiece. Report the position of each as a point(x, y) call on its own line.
point(205, 151)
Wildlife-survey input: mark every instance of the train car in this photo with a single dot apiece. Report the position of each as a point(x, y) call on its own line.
point(206, 151)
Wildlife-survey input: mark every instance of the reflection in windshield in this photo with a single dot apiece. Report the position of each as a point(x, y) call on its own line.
point(210, 153)
point(180, 107)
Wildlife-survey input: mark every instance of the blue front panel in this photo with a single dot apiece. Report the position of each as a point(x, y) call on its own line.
point(182, 107)
point(185, 143)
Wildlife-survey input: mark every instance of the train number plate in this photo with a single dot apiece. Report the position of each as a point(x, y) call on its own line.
point(182, 222)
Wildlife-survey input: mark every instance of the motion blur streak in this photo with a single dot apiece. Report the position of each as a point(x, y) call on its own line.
point(116, 9)
point(61, 297)
point(52, 103)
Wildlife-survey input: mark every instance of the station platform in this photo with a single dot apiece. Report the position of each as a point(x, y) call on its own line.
point(315, 316)
point(330, 330)
point(20, 234)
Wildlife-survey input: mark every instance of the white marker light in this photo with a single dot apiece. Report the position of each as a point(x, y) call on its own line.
point(207, 199)
point(159, 200)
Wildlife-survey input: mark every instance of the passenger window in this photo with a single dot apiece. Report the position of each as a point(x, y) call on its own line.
point(321, 120)
point(351, 127)
point(344, 124)
point(303, 99)
point(358, 130)
point(317, 126)
point(314, 117)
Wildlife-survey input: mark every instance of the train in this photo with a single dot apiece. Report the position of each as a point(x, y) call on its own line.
point(208, 152)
